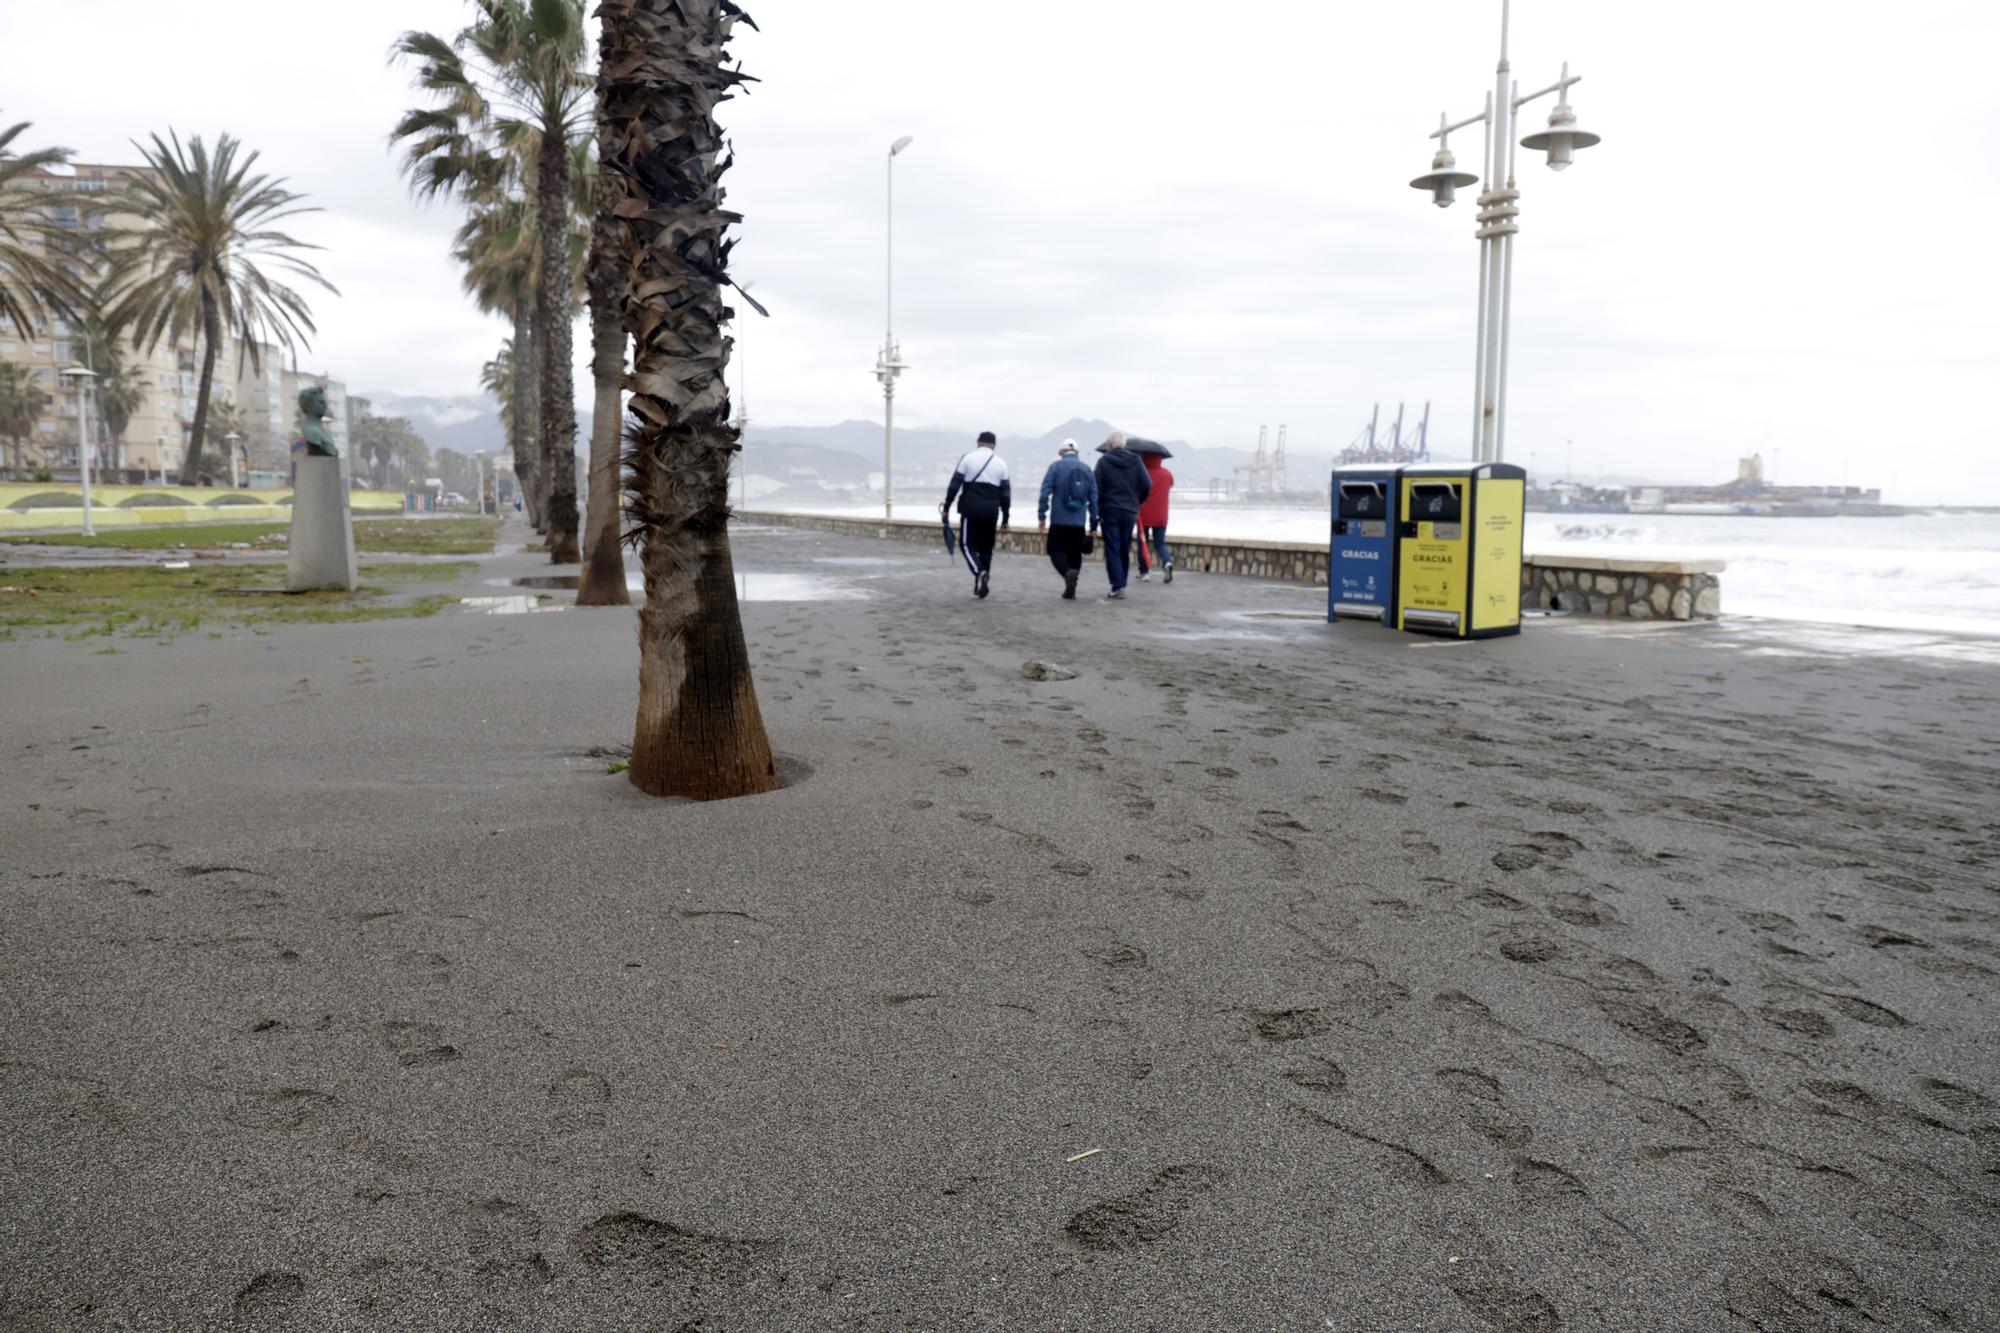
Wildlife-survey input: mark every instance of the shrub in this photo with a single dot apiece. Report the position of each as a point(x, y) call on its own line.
point(231, 498)
point(153, 500)
point(48, 500)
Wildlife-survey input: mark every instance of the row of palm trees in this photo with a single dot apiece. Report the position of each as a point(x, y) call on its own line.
point(507, 130)
point(624, 191)
point(188, 250)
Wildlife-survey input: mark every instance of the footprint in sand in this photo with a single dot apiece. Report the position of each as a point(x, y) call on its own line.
point(1474, 1097)
point(1287, 1024)
point(267, 1300)
point(1319, 1075)
point(578, 1101)
point(279, 1108)
point(662, 1252)
point(1117, 955)
point(1149, 1214)
point(503, 1239)
point(416, 1044)
point(1509, 1309)
point(1956, 1099)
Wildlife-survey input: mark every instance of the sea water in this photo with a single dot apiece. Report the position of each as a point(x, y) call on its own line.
point(1933, 571)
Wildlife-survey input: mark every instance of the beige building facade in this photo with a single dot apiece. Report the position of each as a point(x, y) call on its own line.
point(154, 444)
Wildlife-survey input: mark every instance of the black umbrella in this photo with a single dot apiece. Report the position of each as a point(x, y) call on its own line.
point(1139, 446)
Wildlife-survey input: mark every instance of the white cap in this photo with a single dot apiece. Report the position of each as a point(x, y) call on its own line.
point(1068, 447)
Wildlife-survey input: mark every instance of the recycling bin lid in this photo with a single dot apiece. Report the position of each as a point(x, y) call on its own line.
point(1485, 470)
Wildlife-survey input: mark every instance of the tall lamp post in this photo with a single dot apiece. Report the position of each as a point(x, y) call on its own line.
point(742, 410)
point(889, 363)
point(1498, 211)
point(80, 379)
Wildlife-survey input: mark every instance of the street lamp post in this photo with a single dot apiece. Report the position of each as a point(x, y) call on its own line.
point(231, 440)
point(889, 364)
point(80, 379)
point(1499, 210)
point(742, 410)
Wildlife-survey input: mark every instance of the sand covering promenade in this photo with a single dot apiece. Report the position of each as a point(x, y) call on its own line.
point(1607, 978)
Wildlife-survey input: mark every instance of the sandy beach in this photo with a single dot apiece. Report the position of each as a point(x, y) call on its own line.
point(1613, 977)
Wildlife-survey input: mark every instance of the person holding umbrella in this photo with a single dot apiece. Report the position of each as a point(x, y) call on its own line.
point(1153, 514)
point(1122, 488)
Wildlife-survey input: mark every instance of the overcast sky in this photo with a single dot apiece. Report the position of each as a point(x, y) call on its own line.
point(1192, 220)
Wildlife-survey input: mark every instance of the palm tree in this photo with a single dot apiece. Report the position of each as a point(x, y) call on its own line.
point(120, 394)
point(700, 732)
point(516, 75)
point(33, 281)
point(497, 246)
point(225, 418)
point(195, 263)
point(22, 403)
point(602, 579)
point(117, 394)
point(496, 377)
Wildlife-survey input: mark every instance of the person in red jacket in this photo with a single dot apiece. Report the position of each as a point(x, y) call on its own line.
point(1153, 519)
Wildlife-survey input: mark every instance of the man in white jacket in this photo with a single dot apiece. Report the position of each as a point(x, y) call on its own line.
point(985, 495)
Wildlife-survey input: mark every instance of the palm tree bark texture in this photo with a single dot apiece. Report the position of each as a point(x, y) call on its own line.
point(699, 733)
point(602, 582)
point(552, 311)
point(526, 435)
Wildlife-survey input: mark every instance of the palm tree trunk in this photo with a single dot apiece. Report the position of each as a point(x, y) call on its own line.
point(524, 432)
point(553, 295)
point(210, 336)
point(700, 732)
point(603, 579)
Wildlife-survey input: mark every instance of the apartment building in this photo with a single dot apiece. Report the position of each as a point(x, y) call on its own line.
point(154, 443)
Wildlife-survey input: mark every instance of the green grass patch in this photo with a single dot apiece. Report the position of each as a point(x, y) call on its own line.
point(372, 536)
point(146, 601)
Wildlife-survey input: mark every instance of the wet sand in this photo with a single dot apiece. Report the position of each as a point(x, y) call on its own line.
point(1611, 977)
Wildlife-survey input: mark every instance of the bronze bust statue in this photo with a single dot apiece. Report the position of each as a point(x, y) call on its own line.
point(312, 430)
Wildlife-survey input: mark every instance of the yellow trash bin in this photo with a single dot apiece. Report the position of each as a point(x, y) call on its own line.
point(1459, 560)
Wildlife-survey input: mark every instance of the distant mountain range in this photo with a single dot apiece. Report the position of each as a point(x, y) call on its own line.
point(803, 463)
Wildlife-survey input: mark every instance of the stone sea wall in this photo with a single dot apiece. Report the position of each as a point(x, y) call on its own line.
point(1581, 585)
point(1627, 589)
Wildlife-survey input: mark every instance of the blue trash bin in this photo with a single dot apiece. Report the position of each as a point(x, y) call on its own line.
point(1361, 560)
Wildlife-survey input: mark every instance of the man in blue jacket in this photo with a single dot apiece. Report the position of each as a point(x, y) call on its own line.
point(985, 498)
point(1068, 513)
point(1122, 486)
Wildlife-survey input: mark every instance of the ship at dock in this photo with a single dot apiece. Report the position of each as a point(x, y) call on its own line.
point(1748, 495)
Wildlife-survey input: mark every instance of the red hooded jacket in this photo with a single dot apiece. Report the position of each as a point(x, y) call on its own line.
point(1153, 513)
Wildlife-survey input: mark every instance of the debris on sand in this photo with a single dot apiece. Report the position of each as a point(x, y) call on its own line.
point(1088, 1152)
point(1046, 671)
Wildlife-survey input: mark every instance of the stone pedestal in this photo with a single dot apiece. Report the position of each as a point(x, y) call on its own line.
point(322, 547)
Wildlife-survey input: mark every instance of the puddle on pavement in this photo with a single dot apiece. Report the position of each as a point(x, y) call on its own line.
point(755, 587)
point(508, 606)
point(750, 586)
point(856, 561)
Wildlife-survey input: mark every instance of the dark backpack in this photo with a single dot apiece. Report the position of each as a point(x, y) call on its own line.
point(1076, 490)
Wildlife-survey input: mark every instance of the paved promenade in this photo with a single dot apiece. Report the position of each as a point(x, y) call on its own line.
point(1609, 978)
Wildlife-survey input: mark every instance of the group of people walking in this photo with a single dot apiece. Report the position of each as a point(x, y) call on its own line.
point(1124, 497)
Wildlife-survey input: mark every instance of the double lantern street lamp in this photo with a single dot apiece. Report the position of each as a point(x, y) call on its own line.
point(889, 362)
point(1498, 211)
